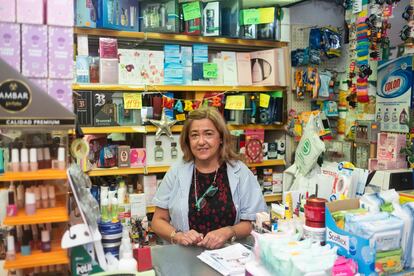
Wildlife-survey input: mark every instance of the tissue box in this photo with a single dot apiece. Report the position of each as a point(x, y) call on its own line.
point(118, 15)
point(29, 11)
point(85, 13)
point(7, 11)
point(159, 16)
point(244, 72)
point(60, 52)
point(269, 67)
point(138, 157)
point(10, 44)
point(61, 90)
point(59, 13)
point(167, 159)
point(84, 108)
point(34, 51)
point(389, 146)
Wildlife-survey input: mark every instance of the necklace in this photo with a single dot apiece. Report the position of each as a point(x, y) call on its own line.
point(195, 182)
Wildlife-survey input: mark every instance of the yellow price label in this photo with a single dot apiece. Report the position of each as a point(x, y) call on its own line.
point(264, 100)
point(180, 117)
point(235, 102)
point(132, 100)
point(266, 15)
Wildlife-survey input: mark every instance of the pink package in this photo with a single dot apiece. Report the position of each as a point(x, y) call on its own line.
point(269, 67)
point(41, 83)
point(344, 267)
point(108, 47)
point(60, 13)
point(389, 146)
point(244, 72)
point(61, 90)
point(138, 157)
point(10, 44)
point(8, 10)
point(61, 52)
point(34, 51)
point(30, 11)
point(108, 70)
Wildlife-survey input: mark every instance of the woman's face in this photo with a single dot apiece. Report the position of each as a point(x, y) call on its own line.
point(204, 140)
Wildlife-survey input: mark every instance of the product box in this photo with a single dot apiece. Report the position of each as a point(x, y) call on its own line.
point(61, 90)
point(10, 44)
point(138, 157)
point(375, 164)
point(108, 47)
point(82, 69)
point(211, 19)
point(30, 11)
point(86, 13)
point(155, 68)
point(83, 104)
point(108, 71)
point(269, 67)
point(133, 66)
point(60, 52)
point(167, 156)
point(7, 11)
point(394, 97)
point(125, 117)
point(229, 10)
point(229, 67)
point(244, 72)
point(366, 131)
point(277, 182)
point(59, 13)
point(118, 15)
point(361, 155)
point(123, 156)
point(34, 51)
point(174, 74)
point(150, 184)
point(349, 245)
point(41, 83)
point(138, 205)
point(267, 29)
point(389, 146)
point(193, 25)
point(159, 16)
point(104, 111)
point(254, 141)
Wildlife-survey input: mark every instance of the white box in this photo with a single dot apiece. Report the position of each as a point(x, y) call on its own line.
point(138, 205)
point(229, 65)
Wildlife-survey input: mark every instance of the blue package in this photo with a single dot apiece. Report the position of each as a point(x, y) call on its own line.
point(118, 15)
point(172, 54)
point(86, 13)
point(200, 53)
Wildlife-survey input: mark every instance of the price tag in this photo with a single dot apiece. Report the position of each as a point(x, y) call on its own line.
point(210, 70)
point(132, 100)
point(180, 117)
point(264, 100)
point(235, 102)
point(266, 15)
point(191, 10)
point(250, 16)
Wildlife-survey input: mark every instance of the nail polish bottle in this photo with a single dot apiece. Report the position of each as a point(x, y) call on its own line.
point(25, 248)
point(52, 195)
point(46, 245)
point(60, 163)
point(44, 196)
point(35, 234)
point(24, 160)
point(40, 158)
point(46, 156)
point(20, 196)
point(36, 191)
point(36, 270)
point(33, 159)
point(11, 207)
point(15, 161)
point(30, 199)
point(11, 249)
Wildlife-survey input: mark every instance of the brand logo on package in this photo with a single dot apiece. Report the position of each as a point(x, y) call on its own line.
point(307, 147)
point(15, 96)
point(395, 84)
point(338, 239)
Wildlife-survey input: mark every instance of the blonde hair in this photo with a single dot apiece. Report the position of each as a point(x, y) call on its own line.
point(227, 154)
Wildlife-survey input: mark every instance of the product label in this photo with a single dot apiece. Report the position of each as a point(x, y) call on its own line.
point(15, 96)
point(342, 241)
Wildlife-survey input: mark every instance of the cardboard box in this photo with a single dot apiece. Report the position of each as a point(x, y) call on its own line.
point(138, 157)
point(29, 11)
point(34, 51)
point(375, 164)
point(61, 90)
point(60, 52)
point(244, 72)
point(82, 69)
point(389, 146)
point(160, 16)
point(229, 66)
point(86, 13)
point(230, 25)
point(84, 108)
point(108, 71)
point(155, 68)
point(118, 15)
point(211, 19)
point(7, 11)
point(138, 205)
point(349, 245)
point(132, 66)
point(10, 44)
point(60, 13)
point(123, 156)
point(269, 67)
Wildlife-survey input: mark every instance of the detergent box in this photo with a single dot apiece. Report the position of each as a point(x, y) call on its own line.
point(394, 94)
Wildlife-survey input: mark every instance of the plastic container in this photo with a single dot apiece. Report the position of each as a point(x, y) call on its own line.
point(314, 234)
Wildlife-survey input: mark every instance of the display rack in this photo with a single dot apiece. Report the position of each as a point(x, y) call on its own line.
point(48, 174)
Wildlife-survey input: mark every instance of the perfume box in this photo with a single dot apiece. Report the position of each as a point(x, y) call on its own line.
point(269, 67)
point(86, 13)
point(132, 66)
point(84, 107)
point(123, 156)
point(61, 90)
point(7, 11)
point(138, 157)
point(165, 158)
point(10, 44)
point(41, 83)
point(60, 52)
point(60, 13)
point(229, 67)
point(138, 205)
point(389, 146)
point(174, 74)
point(108, 47)
point(159, 16)
point(248, 31)
point(244, 72)
point(125, 117)
point(267, 28)
point(34, 51)
point(82, 69)
point(108, 71)
point(155, 68)
point(191, 26)
point(150, 184)
point(230, 10)
point(186, 56)
point(211, 19)
point(118, 15)
point(104, 111)
point(29, 11)
point(172, 53)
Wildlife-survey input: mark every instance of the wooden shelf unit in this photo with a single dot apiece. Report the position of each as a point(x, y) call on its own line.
point(46, 174)
point(46, 215)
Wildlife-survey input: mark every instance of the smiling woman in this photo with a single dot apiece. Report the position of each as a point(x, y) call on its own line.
point(210, 197)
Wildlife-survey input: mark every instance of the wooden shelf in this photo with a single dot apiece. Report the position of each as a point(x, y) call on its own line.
point(47, 215)
point(39, 258)
point(273, 197)
point(164, 38)
point(47, 174)
point(173, 88)
point(115, 171)
point(268, 163)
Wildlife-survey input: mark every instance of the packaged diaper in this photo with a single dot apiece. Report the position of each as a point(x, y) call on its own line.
point(388, 262)
point(339, 216)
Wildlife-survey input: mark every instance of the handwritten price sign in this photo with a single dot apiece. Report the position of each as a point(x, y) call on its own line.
point(210, 70)
point(132, 100)
point(235, 102)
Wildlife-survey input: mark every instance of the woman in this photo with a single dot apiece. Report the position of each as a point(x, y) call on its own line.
point(210, 197)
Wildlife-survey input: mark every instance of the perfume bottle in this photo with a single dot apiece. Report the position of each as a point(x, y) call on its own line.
point(378, 117)
point(174, 152)
point(394, 116)
point(159, 152)
point(403, 117)
point(386, 116)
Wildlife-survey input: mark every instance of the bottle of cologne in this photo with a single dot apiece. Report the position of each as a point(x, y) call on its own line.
point(394, 116)
point(159, 152)
point(174, 152)
point(386, 116)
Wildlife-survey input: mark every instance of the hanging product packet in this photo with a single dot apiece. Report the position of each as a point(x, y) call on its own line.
point(309, 148)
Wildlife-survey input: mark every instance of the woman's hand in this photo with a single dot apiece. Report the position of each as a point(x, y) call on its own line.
point(188, 238)
point(217, 238)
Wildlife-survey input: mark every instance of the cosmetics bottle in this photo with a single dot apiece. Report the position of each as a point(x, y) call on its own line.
point(114, 209)
point(20, 196)
point(11, 207)
point(40, 158)
point(11, 251)
point(33, 159)
point(24, 160)
point(25, 248)
point(121, 192)
point(30, 201)
point(46, 246)
point(44, 196)
point(15, 161)
point(104, 210)
point(60, 163)
point(174, 152)
point(52, 195)
point(36, 191)
point(36, 270)
point(104, 192)
point(35, 234)
point(46, 156)
point(159, 152)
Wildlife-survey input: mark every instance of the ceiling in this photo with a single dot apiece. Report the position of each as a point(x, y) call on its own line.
point(263, 3)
